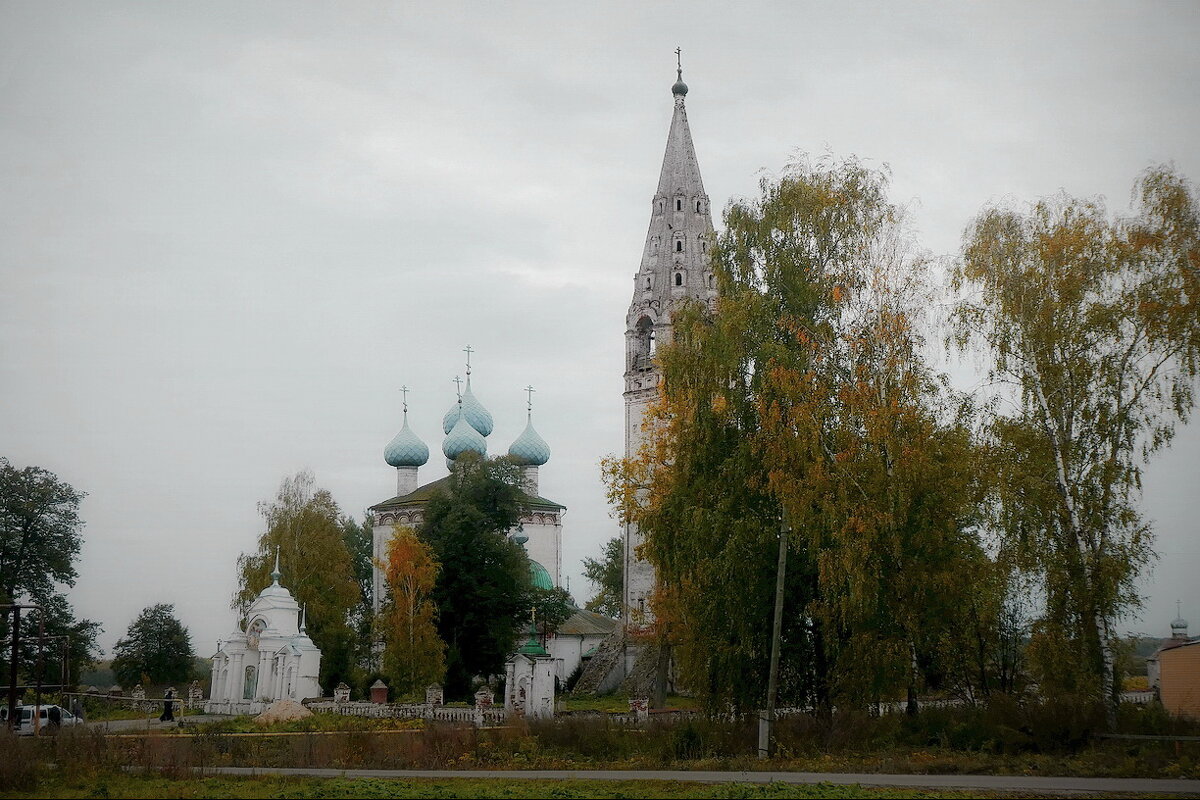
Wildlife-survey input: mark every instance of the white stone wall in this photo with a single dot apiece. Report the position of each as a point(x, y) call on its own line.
point(545, 542)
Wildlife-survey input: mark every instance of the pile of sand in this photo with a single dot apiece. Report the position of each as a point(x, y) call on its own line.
point(282, 711)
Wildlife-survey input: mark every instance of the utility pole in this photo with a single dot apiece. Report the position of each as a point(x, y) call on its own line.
point(12, 664)
point(766, 718)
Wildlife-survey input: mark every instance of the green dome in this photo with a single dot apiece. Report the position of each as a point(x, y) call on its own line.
point(530, 450)
point(539, 577)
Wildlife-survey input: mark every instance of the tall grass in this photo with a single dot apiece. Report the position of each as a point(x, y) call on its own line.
point(1050, 737)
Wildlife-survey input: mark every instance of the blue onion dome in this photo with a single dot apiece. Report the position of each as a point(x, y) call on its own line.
point(407, 449)
point(463, 438)
point(530, 449)
point(470, 407)
point(539, 576)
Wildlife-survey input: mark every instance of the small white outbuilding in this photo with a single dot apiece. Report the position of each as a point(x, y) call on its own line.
point(273, 659)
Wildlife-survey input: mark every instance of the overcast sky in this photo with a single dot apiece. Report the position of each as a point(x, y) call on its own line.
point(229, 232)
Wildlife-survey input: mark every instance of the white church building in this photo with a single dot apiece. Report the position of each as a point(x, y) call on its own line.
point(466, 427)
point(273, 659)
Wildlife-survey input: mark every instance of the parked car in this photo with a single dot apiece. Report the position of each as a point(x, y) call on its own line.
point(50, 719)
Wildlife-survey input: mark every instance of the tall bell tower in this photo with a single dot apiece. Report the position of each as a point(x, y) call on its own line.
point(674, 267)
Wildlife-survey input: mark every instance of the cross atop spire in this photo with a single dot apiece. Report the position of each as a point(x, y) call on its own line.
point(680, 88)
point(468, 350)
point(458, 387)
point(404, 394)
point(529, 390)
point(276, 574)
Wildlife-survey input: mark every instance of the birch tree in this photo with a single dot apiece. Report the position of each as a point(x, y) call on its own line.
point(1094, 324)
point(804, 401)
point(414, 657)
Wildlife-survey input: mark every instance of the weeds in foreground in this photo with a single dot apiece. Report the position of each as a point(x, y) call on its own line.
point(1000, 740)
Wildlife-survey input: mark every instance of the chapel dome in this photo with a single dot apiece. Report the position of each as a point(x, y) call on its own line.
point(539, 576)
point(470, 407)
point(462, 438)
point(529, 449)
point(1179, 627)
point(406, 449)
point(679, 88)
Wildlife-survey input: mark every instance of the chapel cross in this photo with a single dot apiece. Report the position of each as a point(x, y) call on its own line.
point(678, 61)
point(468, 350)
point(404, 394)
point(529, 390)
point(458, 387)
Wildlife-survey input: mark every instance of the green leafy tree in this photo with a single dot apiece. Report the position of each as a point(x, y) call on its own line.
point(40, 539)
point(359, 539)
point(1094, 324)
point(63, 638)
point(803, 405)
point(40, 533)
point(305, 527)
point(606, 575)
point(414, 657)
point(550, 608)
point(481, 590)
point(156, 645)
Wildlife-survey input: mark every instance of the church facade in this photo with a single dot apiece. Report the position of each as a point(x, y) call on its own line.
point(675, 267)
point(467, 426)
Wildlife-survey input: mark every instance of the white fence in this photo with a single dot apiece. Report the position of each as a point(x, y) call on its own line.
point(480, 716)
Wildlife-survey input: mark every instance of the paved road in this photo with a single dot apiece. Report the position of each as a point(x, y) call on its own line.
point(1018, 783)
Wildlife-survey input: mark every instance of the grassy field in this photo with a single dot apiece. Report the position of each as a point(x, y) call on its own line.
point(1044, 740)
point(117, 785)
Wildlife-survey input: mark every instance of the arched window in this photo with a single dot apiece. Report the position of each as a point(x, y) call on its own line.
point(679, 279)
point(251, 683)
point(703, 246)
point(697, 206)
point(678, 204)
point(711, 281)
point(679, 245)
point(646, 344)
point(648, 286)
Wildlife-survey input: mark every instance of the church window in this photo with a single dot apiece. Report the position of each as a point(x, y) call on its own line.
point(679, 279)
point(703, 246)
point(678, 245)
point(648, 282)
point(710, 281)
point(697, 206)
point(645, 343)
point(251, 683)
point(641, 605)
point(678, 204)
